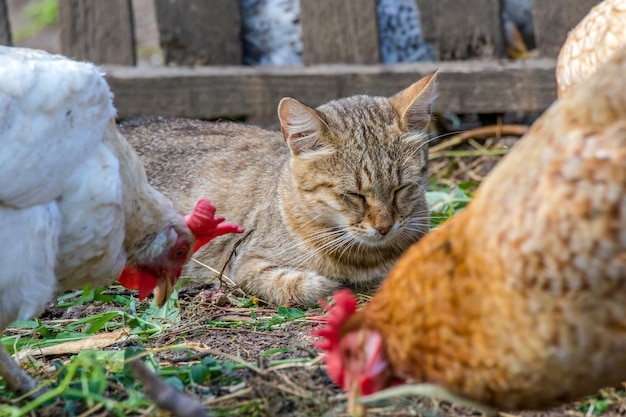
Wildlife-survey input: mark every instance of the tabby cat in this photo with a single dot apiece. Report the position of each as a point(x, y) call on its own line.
point(331, 202)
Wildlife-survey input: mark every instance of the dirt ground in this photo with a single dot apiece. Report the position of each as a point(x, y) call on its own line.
point(291, 389)
point(283, 391)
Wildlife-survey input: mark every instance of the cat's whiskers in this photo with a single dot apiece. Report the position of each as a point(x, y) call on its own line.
point(349, 245)
point(417, 136)
point(418, 223)
point(321, 236)
point(426, 143)
point(330, 246)
point(418, 220)
point(341, 240)
point(415, 225)
point(336, 236)
point(410, 231)
point(310, 245)
point(443, 135)
point(298, 231)
point(407, 235)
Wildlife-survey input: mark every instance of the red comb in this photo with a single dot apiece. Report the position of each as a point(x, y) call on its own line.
point(344, 306)
point(205, 226)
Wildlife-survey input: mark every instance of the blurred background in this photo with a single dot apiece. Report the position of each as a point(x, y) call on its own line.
point(35, 24)
point(271, 29)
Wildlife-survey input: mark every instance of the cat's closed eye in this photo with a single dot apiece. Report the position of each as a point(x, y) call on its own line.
point(404, 192)
point(356, 197)
point(401, 188)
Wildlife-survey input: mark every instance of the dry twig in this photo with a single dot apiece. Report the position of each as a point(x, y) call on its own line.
point(166, 396)
point(480, 132)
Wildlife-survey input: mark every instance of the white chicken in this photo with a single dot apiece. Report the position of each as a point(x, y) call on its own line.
point(75, 203)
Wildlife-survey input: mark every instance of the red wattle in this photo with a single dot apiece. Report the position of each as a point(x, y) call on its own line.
point(138, 279)
point(147, 282)
point(129, 278)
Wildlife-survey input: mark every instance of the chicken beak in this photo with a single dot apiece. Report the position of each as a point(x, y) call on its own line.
point(163, 291)
point(354, 392)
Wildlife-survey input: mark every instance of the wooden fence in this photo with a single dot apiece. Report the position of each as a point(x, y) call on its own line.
point(340, 41)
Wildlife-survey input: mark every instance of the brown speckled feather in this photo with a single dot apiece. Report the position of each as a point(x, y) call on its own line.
point(601, 32)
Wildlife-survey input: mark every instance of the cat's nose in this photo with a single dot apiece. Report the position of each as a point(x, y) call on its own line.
point(383, 229)
point(382, 221)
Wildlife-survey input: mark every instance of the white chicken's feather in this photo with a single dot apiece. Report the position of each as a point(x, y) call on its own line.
point(33, 263)
point(53, 113)
point(96, 230)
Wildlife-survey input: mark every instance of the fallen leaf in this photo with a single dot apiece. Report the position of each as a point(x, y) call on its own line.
point(98, 341)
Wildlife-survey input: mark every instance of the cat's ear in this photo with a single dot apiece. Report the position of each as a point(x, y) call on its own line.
point(414, 104)
point(301, 125)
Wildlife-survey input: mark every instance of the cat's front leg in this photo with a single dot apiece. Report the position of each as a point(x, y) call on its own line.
point(282, 286)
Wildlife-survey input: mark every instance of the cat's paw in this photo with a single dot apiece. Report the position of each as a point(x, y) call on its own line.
point(289, 287)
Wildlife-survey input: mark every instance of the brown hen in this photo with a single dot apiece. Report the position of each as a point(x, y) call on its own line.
point(519, 301)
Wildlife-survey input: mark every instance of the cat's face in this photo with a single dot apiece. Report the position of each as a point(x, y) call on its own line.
point(367, 185)
point(360, 167)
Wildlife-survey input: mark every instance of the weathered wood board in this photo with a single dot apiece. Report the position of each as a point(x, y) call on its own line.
point(463, 29)
point(5, 27)
point(239, 92)
point(343, 31)
point(210, 33)
point(98, 31)
point(553, 19)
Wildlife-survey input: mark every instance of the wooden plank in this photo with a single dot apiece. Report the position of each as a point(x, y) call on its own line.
point(343, 31)
point(236, 92)
point(200, 32)
point(5, 27)
point(553, 20)
point(98, 31)
point(463, 29)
